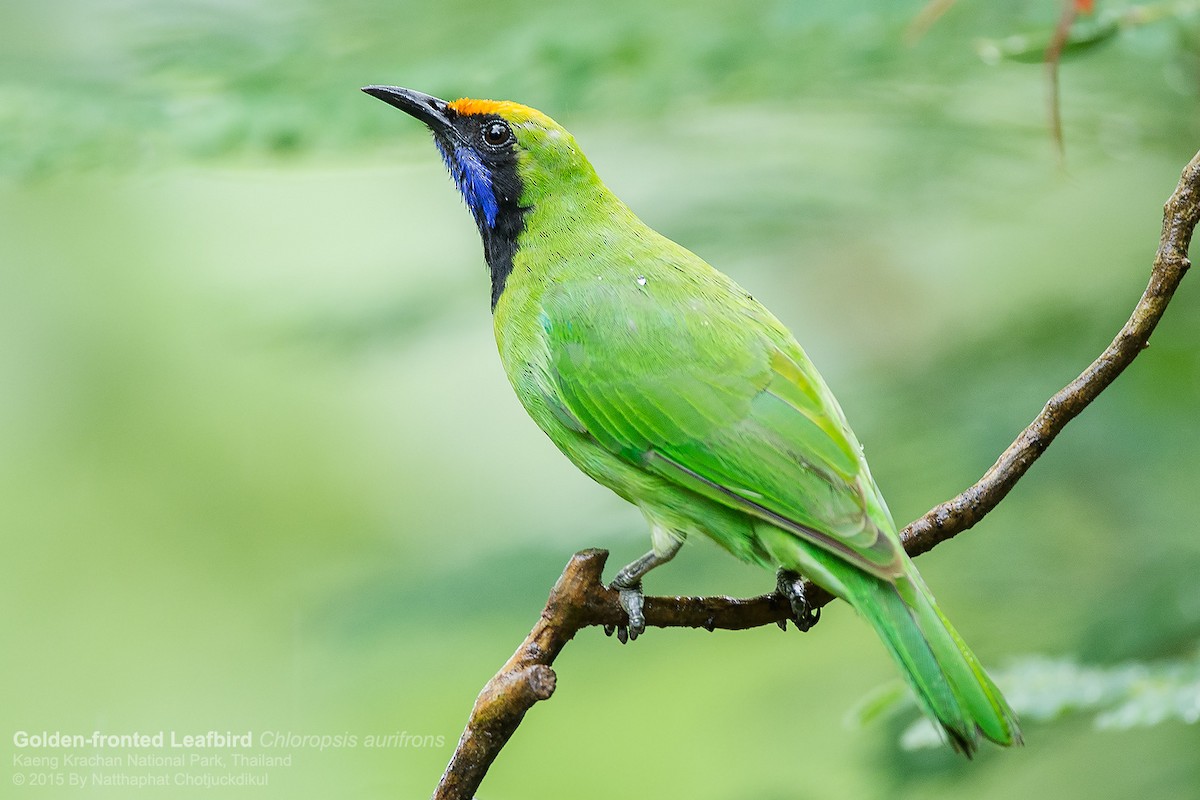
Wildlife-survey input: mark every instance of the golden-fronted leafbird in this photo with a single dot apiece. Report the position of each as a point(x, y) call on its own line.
point(665, 381)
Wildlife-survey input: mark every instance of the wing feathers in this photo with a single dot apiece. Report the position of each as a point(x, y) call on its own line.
point(724, 403)
point(681, 474)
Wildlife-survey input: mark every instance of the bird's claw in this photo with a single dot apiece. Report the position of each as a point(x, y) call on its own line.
point(804, 615)
point(633, 602)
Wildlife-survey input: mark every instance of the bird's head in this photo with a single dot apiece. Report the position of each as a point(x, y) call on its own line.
point(505, 159)
point(494, 149)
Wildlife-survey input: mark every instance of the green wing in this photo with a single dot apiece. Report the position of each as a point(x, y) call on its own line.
point(693, 380)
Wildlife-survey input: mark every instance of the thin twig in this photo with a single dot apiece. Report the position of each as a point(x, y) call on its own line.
point(580, 599)
point(930, 13)
point(1053, 57)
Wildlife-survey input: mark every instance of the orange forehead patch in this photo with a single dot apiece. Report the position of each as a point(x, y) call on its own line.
point(506, 109)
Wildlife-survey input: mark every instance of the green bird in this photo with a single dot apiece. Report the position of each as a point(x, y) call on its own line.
point(665, 381)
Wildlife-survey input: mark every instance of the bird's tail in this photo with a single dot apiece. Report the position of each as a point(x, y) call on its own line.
point(949, 682)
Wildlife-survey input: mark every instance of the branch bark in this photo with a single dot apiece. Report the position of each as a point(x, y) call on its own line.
point(579, 599)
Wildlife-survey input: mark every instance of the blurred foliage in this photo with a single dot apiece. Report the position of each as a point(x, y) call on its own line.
point(1041, 689)
point(124, 84)
point(1085, 32)
point(259, 468)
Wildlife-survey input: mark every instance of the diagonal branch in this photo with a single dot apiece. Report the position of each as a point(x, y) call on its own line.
point(1180, 217)
point(580, 599)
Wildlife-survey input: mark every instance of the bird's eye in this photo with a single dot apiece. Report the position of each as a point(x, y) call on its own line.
point(496, 133)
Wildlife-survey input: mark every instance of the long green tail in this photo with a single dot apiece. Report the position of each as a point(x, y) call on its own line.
point(950, 684)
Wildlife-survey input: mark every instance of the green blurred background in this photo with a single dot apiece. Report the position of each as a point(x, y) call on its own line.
point(260, 469)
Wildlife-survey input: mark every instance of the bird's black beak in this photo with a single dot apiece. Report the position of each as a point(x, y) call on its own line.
point(433, 112)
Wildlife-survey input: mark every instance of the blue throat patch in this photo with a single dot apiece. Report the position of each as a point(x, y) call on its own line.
point(474, 181)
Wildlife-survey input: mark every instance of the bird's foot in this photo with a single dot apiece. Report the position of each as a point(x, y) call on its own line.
point(791, 586)
point(633, 601)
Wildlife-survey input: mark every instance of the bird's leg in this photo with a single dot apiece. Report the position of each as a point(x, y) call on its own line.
point(628, 584)
point(791, 585)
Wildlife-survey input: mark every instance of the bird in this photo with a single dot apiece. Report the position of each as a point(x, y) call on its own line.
point(665, 381)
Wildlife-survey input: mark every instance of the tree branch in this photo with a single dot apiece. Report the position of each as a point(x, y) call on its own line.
point(579, 599)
